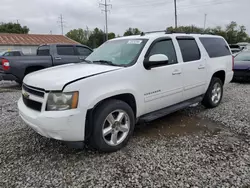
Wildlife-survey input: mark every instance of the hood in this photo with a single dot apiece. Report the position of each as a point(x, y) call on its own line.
point(240, 65)
point(55, 78)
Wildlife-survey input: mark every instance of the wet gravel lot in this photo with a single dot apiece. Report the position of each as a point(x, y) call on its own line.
point(195, 147)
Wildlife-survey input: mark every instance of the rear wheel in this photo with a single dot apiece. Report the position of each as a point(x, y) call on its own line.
point(214, 93)
point(113, 125)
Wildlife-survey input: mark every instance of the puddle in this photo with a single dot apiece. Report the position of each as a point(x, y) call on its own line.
point(176, 124)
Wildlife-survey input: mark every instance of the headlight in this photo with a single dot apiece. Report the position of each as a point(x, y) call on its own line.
point(62, 101)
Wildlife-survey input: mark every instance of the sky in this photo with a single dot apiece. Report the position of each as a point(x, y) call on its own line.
point(42, 16)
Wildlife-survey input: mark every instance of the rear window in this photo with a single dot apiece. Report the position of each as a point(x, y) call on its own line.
point(215, 47)
point(43, 51)
point(65, 50)
point(189, 49)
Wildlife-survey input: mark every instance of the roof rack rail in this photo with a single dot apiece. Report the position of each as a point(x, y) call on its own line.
point(171, 32)
point(149, 32)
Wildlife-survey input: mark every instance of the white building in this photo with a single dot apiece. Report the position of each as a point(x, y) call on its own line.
point(28, 43)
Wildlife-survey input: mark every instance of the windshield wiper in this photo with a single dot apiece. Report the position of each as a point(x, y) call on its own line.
point(106, 62)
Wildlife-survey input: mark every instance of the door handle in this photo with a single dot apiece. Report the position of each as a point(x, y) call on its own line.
point(176, 72)
point(82, 58)
point(58, 58)
point(201, 67)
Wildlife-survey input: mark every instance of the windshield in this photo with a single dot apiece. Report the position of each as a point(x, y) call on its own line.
point(122, 52)
point(243, 57)
point(1, 53)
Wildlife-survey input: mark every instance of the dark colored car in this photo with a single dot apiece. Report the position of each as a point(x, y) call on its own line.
point(242, 66)
point(16, 68)
point(11, 53)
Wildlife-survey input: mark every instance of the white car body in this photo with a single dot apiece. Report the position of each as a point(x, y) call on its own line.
point(152, 89)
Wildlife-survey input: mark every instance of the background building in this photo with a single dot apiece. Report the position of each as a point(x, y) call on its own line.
point(28, 43)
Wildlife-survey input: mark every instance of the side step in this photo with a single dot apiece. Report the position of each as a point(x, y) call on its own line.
point(168, 110)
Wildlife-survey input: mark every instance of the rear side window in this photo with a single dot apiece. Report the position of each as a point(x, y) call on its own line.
point(189, 49)
point(16, 54)
point(83, 51)
point(65, 50)
point(215, 47)
point(43, 51)
point(165, 47)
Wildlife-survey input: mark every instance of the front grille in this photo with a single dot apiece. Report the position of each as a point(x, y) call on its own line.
point(35, 91)
point(32, 104)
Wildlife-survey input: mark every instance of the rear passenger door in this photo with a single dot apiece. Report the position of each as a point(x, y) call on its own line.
point(193, 67)
point(65, 54)
point(83, 52)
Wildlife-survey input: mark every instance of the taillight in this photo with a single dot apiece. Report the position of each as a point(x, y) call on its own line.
point(5, 64)
point(232, 62)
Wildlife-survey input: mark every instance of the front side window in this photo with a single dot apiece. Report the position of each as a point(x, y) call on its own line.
point(165, 47)
point(43, 51)
point(122, 52)
point(83, 51)
point(189, 49)
point(65, 50)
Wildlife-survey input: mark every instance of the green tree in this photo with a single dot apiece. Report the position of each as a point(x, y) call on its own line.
point(111, 35)
point(13, 28)
point(232, 32)
point(78, 35)
point(132, 31)
point(96, 38)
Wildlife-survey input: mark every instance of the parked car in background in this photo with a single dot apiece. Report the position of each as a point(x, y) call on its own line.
point(242, 66)
point(235, 49)
point(15, 68)
point(127, 79)
point(243, 44)
point(11, 53)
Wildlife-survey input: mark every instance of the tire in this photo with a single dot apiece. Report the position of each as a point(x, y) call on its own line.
point(102, 120)
point(210, 100)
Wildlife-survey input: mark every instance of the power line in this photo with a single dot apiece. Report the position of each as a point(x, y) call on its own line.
point(106, 10)
point(205, 20)
point(175, 13)
point(61, 23)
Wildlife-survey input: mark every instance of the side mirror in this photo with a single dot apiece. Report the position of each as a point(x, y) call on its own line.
point(156, 60)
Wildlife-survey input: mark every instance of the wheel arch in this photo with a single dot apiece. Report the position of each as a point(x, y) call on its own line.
point(128, 98)
point(221, 74)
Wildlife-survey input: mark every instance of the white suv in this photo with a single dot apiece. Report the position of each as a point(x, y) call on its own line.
point(125, 80)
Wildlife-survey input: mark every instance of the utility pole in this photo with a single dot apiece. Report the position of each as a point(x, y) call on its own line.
point(175, 10)
point(106, 10)
point(205, 21)
point(61, 23)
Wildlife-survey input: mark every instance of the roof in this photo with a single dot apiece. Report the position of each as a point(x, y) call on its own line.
point(33, 39)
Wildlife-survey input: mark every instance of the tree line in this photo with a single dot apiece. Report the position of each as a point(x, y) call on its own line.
point(232, 32)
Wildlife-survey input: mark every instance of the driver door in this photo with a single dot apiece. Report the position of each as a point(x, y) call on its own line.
point(163, 84)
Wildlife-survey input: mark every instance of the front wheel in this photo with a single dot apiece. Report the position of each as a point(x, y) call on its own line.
point(214, 93)
point(113, 125)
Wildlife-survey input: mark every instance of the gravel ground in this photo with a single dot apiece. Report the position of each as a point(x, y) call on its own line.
point(191, 148)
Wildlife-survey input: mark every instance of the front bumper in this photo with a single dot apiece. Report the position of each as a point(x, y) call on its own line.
point(242, 74)
point(7, 77)
point(62, 125)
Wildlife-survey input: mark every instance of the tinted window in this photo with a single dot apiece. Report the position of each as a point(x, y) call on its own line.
point(165, 47)
point(65, 50)
point(8, 54)
point(215, 47)
point(83, 51)
point(16, 54)
point(43, 51)
point(189, 50)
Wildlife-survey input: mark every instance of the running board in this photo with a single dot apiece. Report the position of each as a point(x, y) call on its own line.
point(168, 110)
